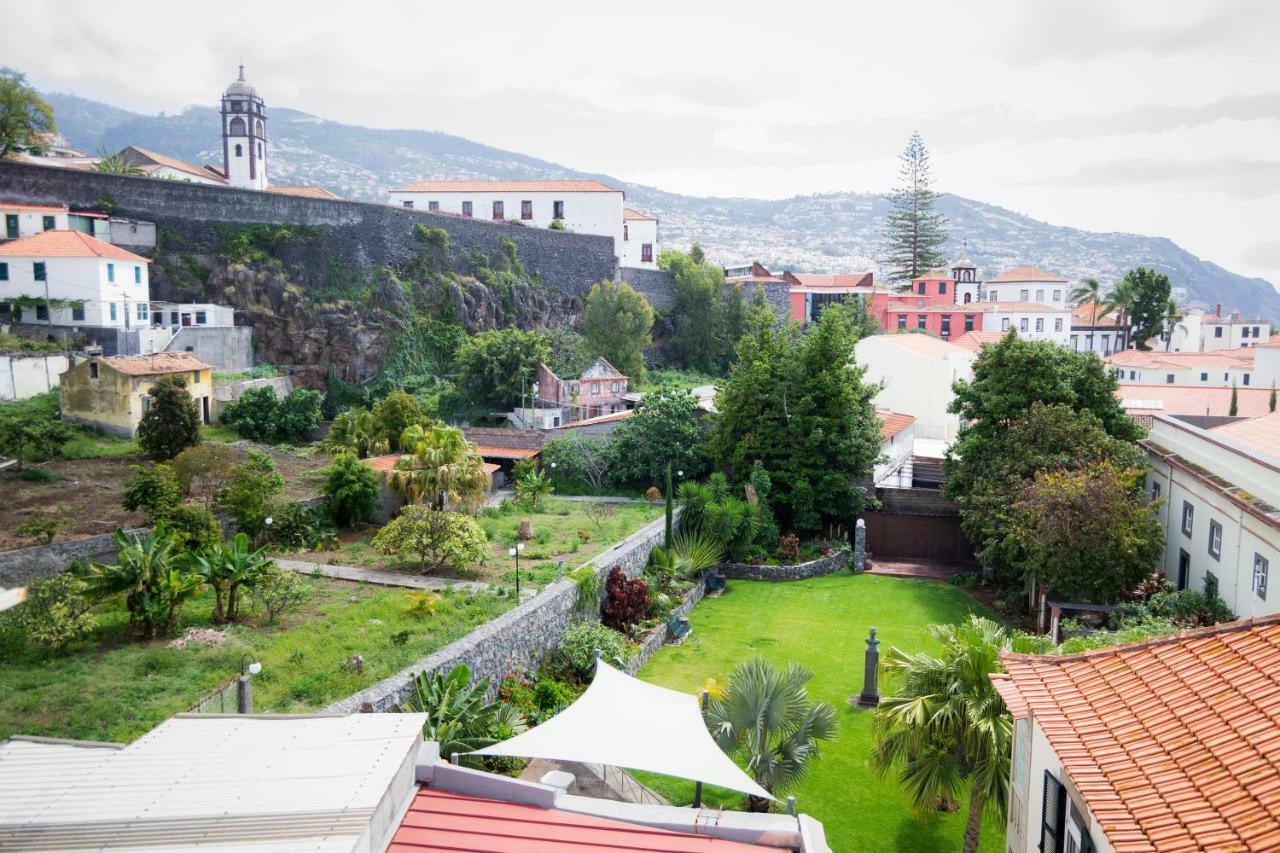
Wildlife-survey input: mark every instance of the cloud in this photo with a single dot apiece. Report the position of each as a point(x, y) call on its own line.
point(1236, 177)
point(1265, 255)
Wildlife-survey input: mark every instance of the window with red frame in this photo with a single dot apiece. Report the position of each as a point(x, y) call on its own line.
point(497, 210)
point(526, 210)
point(646, 252)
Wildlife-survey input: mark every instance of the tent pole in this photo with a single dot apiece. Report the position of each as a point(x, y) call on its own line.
point(697, 786)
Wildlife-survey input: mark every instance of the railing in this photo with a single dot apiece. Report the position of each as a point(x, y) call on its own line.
point(221, 701)
point(625, 785)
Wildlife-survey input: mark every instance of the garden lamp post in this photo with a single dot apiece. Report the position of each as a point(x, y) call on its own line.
point(244, 684)
point(697, 786)
point(515, 552)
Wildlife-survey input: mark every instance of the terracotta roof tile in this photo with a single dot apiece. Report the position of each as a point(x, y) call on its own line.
point(66, 244)
point(892, 423)
point(923, 344)
point(1031, 274)
point(1173, 743)
point(635, 215)
point(154, 365)
point(974, 341)
point(493, 452)
point(571, 186)
point(302, 192)
point(169, 162)
point(42, 208)
point(1261, 434)
point(1226, 358)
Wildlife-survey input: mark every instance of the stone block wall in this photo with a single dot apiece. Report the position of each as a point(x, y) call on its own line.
point(24, 565)
point(800, 571)
point(661, 635)
point(655, 285)
point(515, 640)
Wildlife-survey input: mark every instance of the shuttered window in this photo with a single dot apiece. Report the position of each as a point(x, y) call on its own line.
point(1051, 815)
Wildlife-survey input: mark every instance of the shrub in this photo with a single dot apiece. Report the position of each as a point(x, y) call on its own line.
point(253, 415)
point(55, 613)
point(439, 539)
point(421, 603)
point(1187, 608)
point(789, 548)
point(42, 528)
point(296, 416)
point(172, 424)
point(533, 487)
point(156, 578)
point(194, 528)
point(352, 489)
point(230, 567)
point(37, 475)
point(248, 495)
point(203, 471)
point(281, 591)
point(576, 654)
point(296, 527)
point(626, 601)
point(153, 490)
point(395, 413)
point(31, 429)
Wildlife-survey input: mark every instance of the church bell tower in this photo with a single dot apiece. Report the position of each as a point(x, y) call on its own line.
point(244, 136)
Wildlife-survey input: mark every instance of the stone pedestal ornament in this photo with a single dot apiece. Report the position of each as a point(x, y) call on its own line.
point(860, 546)
point(870, 695)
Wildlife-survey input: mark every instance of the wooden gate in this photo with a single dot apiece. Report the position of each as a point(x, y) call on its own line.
point(916, 524)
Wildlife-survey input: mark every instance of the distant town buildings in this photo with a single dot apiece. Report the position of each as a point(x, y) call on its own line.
point(599, 390)
point(582, 206)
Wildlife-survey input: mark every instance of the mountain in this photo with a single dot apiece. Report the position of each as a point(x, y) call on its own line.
point(831, 232)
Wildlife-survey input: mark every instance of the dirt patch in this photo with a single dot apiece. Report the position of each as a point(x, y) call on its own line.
point(198, 637)
point(85, 499)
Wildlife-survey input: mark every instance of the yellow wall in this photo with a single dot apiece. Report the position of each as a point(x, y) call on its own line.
point(113, 401)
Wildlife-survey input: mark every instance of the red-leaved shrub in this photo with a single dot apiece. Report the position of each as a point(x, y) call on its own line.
point(626, 601)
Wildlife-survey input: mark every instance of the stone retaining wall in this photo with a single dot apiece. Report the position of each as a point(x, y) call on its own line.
point(21, 567)
point(661, 634)
point(515, 640)
point(800, 571)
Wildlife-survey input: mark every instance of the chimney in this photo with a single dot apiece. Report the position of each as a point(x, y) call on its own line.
point(1218, 310)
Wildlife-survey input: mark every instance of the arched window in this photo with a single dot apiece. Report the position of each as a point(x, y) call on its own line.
point(967, 297)
point(239, 150)
point(257, 129)
point(237, 127)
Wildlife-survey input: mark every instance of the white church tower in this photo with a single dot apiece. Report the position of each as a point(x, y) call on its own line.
point(244, 136)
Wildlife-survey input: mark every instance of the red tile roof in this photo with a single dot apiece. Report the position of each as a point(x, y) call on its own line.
point(975, 340)
point(302, 192)
point(916, 342)
point(387, 463)
point(1242, 357)
point(490, 451)
point(1261, 434)
point(1173, 743)
point(629, 214)
point(1193, 400)
point(154, 365)
point(857, 279)
point(892, 423)
point(601, 419)
point(66, 244)
point(43, 208)
point(440, 820)
point(174, 163)
point(1026, 274)
point(507, 186)
point(1084, 315)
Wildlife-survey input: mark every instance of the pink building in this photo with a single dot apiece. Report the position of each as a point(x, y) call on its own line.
point(597, 391)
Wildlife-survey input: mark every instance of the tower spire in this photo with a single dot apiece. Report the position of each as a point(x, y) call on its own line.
point(241, 71)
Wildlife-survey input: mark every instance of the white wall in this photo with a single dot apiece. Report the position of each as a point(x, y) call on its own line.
point(585, 213)
point(1052, 326)
point(1026, 804)
point(1231, 335)
point(28, 374)
point(30, 221)
point(915, 384)
point(636, 233)
point(1102, 342)
point(1203, 376)
point(1043, 292)
point(895, 471)
point(86, 279)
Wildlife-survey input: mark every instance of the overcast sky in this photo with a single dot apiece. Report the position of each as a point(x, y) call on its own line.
point(1152, 117)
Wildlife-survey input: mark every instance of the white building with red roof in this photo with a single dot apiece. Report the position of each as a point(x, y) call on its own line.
point(639, 239)
point(1223, 368)
point(1028, 284)
point(917, 372)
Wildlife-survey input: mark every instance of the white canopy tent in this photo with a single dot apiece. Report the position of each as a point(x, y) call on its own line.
point(625, 722)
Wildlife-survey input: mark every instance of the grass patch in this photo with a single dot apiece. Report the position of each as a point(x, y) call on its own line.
point(108, 689)
point(671, 378)
point(96, 445)
point(822, 623)
point(220, 433)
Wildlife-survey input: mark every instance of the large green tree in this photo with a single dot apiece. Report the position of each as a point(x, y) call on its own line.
point(665, 430)
point(172, 424)
point(617, 322)
point(32, 428)
point(23, 115)
point(1149, 307)
point(797, 402)
point(495, 367)
point(707, 316)
point(915, 231)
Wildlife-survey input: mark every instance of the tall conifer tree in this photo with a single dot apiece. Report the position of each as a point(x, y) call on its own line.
point(915, 230)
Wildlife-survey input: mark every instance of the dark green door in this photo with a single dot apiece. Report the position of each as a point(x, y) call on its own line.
point(11, 226)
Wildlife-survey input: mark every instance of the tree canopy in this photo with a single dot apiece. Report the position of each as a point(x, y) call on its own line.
point(23, 115)
point(172, 424)
point(494, 366)
point(664, 430)
point(915, 231)
point(708, 316)
point(617, 322)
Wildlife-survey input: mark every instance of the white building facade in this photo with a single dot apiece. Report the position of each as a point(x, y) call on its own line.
point(639, 240)
point(26, 220)
point(1034, 321)
point(1200, 369)
point(1221, 489)
point(1028, 284)
point(917, 372)
point(84, 282)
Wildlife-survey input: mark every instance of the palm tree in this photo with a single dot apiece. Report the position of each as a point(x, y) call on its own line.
point(534, 486)
point(357, 430)
point(1172, 317)
point(229, 567)
point(1089, 290)
point(443, 471)
point(947, 725)
point(458, 717)
point(152, 574)
point(766, 720)
point(1120, 301)
point(116, 164)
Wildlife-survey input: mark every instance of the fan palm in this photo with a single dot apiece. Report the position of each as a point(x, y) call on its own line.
point(947, 726)
point(1120, 301)
point(698, 551)
point(1088, 291)
point(356, 430)
point(458, 717)
point(765, 719)
point(443, 471)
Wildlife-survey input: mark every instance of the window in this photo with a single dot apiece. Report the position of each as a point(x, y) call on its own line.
point(1075, 342)
point(1023, 325)
point(922, 320)
point(195, 377)
point(526, 210)
point(995, 297)
point(1155, 491)
point(1204, 377)
point(1217, 331)
point(93, 370)
point(1039, 324)
point(146, 404)
point(1215, 539)
point(1023, 295)
point(142, 310)
point(967, 298)
point(946, 325)
point(557, 210)
point(49, 223)
point(902, 321)
point(626, 232)
point(408, 204)
point(968, 322)
point(1168, 379)
point(77, 313)
point(201, 318)
point(1057, 296)
point(239, 150)
point(942, 288)
point(920, 288)
point(497, 210)
point(1188, 517)
point(1133, 374)
point(1184, 569)
point(1004, 324)
point(1210, 585)
point(1057, 325)
point(37, 271)
point(646, 252)
point(1245, 379)
point(4, 272)
point(1052, 814)
point(137, 274)
point(613, 386)
point(466, 208)
point(42, 312)
point(433, 206)
point(111, 272)
point(111, 307)
point(595, 388)
point(1260, 567)
point(11, 225)
point(1039, 296)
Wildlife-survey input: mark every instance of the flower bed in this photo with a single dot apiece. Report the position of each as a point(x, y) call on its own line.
point(814, 568)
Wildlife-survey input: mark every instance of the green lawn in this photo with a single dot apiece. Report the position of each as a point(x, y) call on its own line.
point(822, 623)
point(108, 689)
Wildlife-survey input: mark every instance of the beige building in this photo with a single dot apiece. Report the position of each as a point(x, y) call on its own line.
point(918, 372)
point(111, 393)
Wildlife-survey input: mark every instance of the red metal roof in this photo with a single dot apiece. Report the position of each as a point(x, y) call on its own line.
point(440, 820)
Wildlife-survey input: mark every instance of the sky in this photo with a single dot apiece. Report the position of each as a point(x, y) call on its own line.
point(1150, 117)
